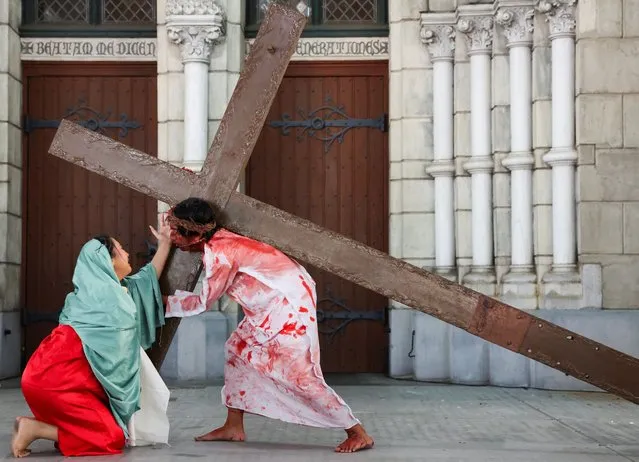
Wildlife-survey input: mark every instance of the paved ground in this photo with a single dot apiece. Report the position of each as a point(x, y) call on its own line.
point(410, 421)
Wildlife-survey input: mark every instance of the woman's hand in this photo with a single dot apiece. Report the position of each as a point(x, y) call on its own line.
point(164, 234)
point(164, 245)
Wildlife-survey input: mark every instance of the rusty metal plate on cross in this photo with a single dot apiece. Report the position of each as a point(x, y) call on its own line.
point(582, 358)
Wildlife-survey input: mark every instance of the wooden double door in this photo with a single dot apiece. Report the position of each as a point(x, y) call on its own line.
point(65, 205)
point(323, 155)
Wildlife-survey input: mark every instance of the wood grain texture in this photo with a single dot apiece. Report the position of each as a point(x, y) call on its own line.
point(251, 102)
point(182, 272)
point(582, 358)
point(343, 190)
point(127, 166)
point(351, 260)
point(65, 205)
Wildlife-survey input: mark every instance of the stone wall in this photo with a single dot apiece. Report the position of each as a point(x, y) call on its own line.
point(607, 107)
point(607, 142)
point(411, 141)
point(10, 188)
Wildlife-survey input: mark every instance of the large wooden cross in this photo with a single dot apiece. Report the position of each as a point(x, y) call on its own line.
point(239, 130)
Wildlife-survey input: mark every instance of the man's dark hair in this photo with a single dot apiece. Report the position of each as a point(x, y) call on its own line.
point(197, 211)
point(107, 242)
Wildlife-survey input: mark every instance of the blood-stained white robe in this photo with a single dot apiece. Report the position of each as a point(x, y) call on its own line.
point(273, 357)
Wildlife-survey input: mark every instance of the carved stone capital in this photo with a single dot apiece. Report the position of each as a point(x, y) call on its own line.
point(560, 14)
point(517, 24)
point(438, 34)
point(195, 26)
point(478, 32)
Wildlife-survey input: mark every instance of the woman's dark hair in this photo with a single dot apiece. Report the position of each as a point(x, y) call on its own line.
point(107, 242)
point(196, 210)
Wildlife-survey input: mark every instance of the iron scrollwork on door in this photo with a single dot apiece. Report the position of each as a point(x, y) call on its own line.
point(328, 123)
point(87, 117)
point(338, 310)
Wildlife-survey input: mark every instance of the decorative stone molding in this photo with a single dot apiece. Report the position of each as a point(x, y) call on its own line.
point(516, 18)
point(301, 6)
point(196, 26)
point(558, 157)
point(560, 14)
point(477, 164)
point(477, 25)
point(438, 34)
point(519, 161)
point(441, 168)
point(88, 49)
point(341, 48)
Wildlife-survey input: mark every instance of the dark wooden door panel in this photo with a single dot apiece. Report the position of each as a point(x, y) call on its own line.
point(337, 179)
point(65, 205)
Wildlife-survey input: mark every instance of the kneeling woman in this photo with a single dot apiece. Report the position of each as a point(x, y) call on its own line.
point(83, 382)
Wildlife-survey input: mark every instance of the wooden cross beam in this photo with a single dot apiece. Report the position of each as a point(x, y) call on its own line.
point(471, 311)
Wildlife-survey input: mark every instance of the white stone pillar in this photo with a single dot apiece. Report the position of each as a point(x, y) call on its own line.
point(195, 27)
point(475, 22)
point(562, 157)
point(515, 18)
point(438, 33)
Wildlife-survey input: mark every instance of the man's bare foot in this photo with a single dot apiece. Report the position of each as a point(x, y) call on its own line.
point(23, 436)
point(358, 440)
point(224, 433)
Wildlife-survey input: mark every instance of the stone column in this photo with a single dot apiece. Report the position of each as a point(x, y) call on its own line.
point(438, 34)
point(515, 18)
point(562, 157)
point(195, 26)
point(475, 22)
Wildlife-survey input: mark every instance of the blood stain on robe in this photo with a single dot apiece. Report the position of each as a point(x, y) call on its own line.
point(266, 320)
point(308, 289)
point(241, 345)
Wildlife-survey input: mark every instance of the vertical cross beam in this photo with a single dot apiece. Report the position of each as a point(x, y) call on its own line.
point(234, 141)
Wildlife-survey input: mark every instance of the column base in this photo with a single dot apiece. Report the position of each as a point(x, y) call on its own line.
point(568, 287)
point(447, 272)
point(482, 279)
point(519, 287)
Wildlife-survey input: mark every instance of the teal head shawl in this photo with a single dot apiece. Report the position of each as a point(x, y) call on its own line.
point(113, 319)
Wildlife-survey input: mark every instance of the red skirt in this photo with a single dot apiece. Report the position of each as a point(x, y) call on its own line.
point(61, 390)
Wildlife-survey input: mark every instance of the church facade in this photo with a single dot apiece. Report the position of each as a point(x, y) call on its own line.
point(491, 142)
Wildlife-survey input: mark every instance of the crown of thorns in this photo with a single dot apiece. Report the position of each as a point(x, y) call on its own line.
point(188, 225)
